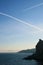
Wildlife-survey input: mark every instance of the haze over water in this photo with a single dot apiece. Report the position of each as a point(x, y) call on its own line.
point(16, 59)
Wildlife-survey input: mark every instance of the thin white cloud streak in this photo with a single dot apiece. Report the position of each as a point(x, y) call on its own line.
point(21, 21)
point(33, 7)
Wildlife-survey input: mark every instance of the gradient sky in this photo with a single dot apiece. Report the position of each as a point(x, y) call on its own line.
point(16, 35)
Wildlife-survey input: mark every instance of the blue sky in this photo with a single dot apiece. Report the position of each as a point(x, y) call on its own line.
point(24, 31)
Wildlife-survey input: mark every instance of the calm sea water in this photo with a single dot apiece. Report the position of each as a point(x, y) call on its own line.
point(16, 59)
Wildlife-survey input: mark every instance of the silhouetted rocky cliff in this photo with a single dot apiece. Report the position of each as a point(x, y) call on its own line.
point(38, 55)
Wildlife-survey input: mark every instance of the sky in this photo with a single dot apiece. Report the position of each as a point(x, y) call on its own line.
point(21, 24)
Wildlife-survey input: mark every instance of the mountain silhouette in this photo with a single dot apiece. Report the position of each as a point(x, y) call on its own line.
point(27, 51)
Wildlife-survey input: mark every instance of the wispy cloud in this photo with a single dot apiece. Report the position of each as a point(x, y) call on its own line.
point(21, 21)
point(33, 7)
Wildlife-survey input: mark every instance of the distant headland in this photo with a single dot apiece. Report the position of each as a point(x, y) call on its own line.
point(28, 51)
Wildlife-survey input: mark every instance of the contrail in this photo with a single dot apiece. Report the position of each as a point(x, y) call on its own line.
point(21, 21)
point(33, 6)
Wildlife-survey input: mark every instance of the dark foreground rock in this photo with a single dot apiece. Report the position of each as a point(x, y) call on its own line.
point(38, 55)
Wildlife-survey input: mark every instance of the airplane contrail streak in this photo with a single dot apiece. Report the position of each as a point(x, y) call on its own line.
point(33, 7)
point(21, 21)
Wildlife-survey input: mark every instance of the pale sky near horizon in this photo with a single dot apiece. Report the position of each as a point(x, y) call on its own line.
point(21, 24)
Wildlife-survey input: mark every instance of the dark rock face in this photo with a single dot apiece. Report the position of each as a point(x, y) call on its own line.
point(39, 47)
point(39, 50)
point(38, 55)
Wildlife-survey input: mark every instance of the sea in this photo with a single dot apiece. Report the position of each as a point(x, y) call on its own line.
point(17, 59)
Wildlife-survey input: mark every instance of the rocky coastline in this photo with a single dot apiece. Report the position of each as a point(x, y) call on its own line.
point(38, 55)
